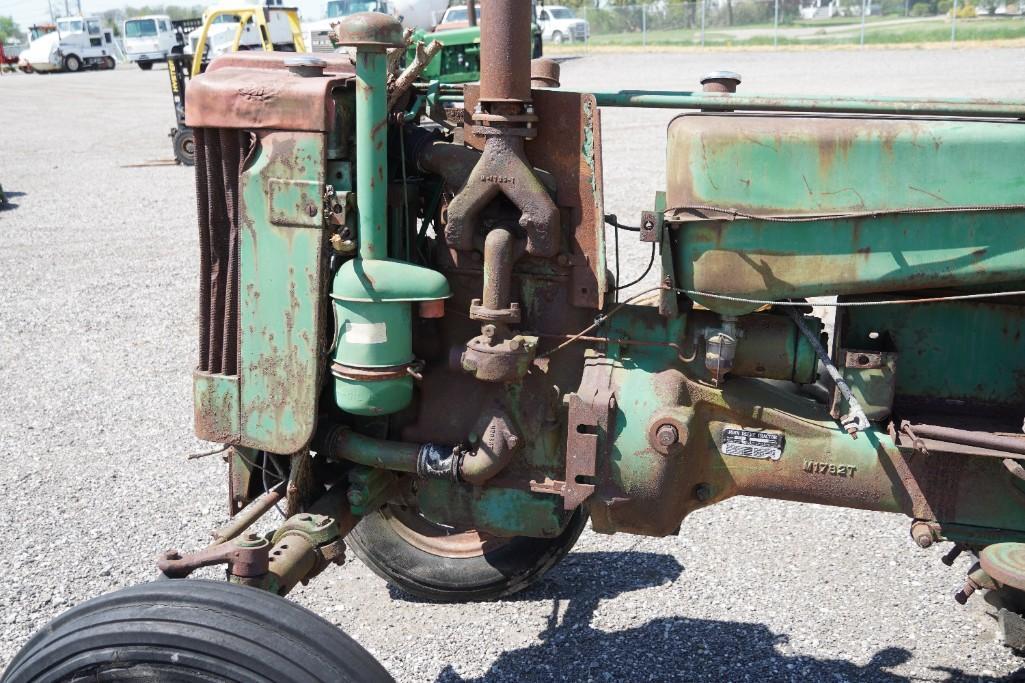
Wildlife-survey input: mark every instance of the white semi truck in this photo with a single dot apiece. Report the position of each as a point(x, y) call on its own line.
point(149, 39)
point(78, 43)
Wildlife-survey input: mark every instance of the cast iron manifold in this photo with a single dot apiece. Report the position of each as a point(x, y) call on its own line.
point(505, 118)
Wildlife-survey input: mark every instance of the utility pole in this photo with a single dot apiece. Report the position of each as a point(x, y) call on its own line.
point(864, 10)
point(775, 26)
point(471, 11)
point(67, 9)
point(953, 23)
point(703, 22)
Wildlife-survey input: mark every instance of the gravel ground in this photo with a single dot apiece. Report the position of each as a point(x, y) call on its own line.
point(97, 342)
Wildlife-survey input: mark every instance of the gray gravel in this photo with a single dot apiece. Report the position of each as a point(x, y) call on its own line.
point(97, 343)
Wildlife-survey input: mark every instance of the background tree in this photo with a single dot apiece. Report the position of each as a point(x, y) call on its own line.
point(9, 29)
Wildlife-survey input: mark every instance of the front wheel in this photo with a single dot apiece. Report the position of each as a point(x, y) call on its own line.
point(72, 63)
point(557, 38)
point(145, 66)
point(447, 564)
point(184, 143)
point(186, 630)
point(109, 63)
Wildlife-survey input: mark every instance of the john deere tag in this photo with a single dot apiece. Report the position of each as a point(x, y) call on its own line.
point(750, 443)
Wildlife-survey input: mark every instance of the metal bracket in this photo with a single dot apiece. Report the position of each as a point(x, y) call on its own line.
point(338, 205)
point(588, 427)
point(651, 226)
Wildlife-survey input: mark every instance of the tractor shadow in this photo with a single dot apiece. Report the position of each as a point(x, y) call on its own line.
point(664, 649)
point(10, 203)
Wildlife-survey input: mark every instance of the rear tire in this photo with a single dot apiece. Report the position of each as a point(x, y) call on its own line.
point(184, 143)
point(109, 64)
point(145, 66)
point(72, 63)
point(187, 630)
point(455, 565)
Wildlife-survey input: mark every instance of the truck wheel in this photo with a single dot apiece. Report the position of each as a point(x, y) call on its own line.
point(184, 142)
point(145, 66)
point(109, 63)
point(557, 38)
point(188, 630)
point(72, 63)
point(441, 563)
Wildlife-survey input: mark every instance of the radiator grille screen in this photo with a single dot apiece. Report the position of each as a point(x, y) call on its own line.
point(220, 156)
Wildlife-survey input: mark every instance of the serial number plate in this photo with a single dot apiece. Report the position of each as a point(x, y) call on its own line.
point(749, 443)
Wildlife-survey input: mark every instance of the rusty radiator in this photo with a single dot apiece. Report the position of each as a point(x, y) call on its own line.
point(220, 156)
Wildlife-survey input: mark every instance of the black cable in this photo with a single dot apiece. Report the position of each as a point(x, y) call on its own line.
point(647, 270)
point(611, 219)
point(615, 290)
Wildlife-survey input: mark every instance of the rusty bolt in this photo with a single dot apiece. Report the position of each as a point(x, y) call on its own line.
point(311, 209)
point(966, 592)
point(667, 435)
point(922, 533)
point(562, 259)
point(649, 224)
point(703, 492)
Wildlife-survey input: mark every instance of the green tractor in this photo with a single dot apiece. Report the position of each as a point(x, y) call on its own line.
point(409, 336)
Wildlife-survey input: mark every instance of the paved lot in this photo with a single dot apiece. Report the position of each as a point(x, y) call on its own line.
point(98, 263)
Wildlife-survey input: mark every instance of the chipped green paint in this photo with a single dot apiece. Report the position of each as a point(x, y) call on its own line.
point(281, 284)
point(499, 511)
point(784, 165)
point(588, 148)
point(216, 404)
point(938, 360)
point(819, 462)
point(843, 170)
point(889, 253)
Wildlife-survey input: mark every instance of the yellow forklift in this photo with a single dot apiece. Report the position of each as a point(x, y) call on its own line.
point(226, 28)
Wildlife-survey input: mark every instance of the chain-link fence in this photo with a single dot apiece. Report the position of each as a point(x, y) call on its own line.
point(786, 22)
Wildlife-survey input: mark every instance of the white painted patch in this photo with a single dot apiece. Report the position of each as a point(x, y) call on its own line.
point(365, 333)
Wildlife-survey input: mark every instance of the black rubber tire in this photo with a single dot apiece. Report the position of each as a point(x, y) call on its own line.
point(145, 66)
point(507, 569)
point(187, 630)
point(72, 63)
point(184, 144)
point(109, 64)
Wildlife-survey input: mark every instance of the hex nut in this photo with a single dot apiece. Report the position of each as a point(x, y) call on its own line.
point(667, 435)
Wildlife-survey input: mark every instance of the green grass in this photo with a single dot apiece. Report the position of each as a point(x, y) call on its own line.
point(979, 29)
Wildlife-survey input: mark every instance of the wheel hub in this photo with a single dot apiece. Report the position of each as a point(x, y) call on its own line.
point(438, 539)
point(1005, 563)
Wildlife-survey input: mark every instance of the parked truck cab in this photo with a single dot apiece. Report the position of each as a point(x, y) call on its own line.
point(79, 42)
point(559, 25)
point(149, 39)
